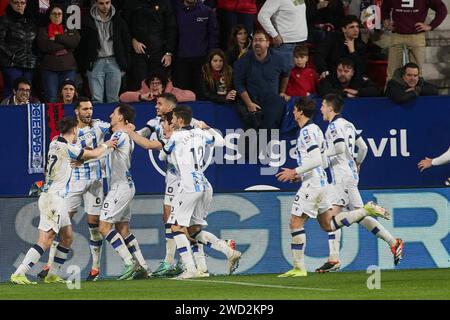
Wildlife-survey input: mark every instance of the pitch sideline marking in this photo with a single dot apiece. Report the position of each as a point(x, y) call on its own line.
point(261, 285)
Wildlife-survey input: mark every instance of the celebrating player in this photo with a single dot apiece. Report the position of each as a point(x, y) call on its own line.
point(341, 138)
point(53, 205)
point(311, 199)
point(86, 184)
point(115, 214)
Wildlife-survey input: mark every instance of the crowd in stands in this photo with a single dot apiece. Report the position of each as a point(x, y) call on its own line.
point(254, 55)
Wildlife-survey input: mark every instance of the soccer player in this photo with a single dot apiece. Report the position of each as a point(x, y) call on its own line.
point(341, 138)
point(165, 103)
point(53, 204)
point(185, 151)
point(311, 200)
point(115, 214)
point(86, 183)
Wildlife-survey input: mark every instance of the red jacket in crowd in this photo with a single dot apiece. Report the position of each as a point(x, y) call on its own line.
point(241, 6)
point(302, 81)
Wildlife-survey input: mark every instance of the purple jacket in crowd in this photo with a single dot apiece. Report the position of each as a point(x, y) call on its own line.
point(198, 30)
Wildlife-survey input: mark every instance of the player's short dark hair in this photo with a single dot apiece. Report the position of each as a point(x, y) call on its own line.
point(127, 111)
point(346, 62)
point(349, 20)
point(184, 112)
point(306, 105)
point(168, 116)
point(336, 101)
point(301, 51)
point(66, 124)
point(77, 103)
point(411, 65)
point(19, 81)
point(169, 97)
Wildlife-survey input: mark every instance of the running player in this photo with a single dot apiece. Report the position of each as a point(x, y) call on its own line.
point(341, 138)
point(311, 200)
point(53, 203)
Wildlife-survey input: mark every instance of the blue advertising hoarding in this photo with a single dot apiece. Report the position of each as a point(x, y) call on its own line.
point(258, 222)
point(398, 137)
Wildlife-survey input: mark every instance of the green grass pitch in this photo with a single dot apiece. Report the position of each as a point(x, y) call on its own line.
point(398, 284)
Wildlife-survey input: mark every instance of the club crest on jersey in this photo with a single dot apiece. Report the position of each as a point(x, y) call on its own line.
point(306, 136)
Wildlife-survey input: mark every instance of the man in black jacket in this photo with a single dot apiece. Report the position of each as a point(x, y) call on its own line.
point(17, 53)
point(345, 82)
point(339, 45)
point(406, 84)
point(104, 51)
point(153, 32)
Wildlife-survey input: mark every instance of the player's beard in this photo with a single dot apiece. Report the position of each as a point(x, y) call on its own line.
point(86, 120)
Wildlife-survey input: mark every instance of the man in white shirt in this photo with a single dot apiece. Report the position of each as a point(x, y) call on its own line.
point(285, 22)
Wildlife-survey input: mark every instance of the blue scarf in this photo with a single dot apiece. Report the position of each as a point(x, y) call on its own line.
point(36, 138)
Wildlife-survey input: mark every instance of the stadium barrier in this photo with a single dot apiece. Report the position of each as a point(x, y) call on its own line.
point(398, 137)
point(258, 222)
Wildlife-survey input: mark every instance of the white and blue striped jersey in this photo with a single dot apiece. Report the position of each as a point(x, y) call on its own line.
point(155, 125)
point(311, 137)
point(91, 137)
point(186, 148)
point(342, 165)
point(58, 171)
point(118, 162)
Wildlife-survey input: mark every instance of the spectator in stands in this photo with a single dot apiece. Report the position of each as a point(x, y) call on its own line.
point(407, 84)
point(152, 86)
point(17, 35)
point(153, 32)
point(345, 82)
point(408, 29)
point(303, 79)
point(260, 77)
point(104, 51)
point(56, 44)
point(239, 43)
point(21, 93)
point(230, 13)
point(285, 22)
point(340, 45)
point(68, 93)
point(198, 33)
point(217, 84)
point(323, 16)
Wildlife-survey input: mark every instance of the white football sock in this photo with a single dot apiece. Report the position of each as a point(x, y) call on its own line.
point(33, 255)
point(298, 248)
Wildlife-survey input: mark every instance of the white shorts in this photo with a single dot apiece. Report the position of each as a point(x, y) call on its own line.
point(190, 208)
point(172, 184)
point(310, 201)
point(345, 194)
point(116, 207)
point(90, 192)
point(53, 212)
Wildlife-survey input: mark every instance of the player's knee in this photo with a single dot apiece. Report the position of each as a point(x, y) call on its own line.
point(326, 226)
point(104, 229)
